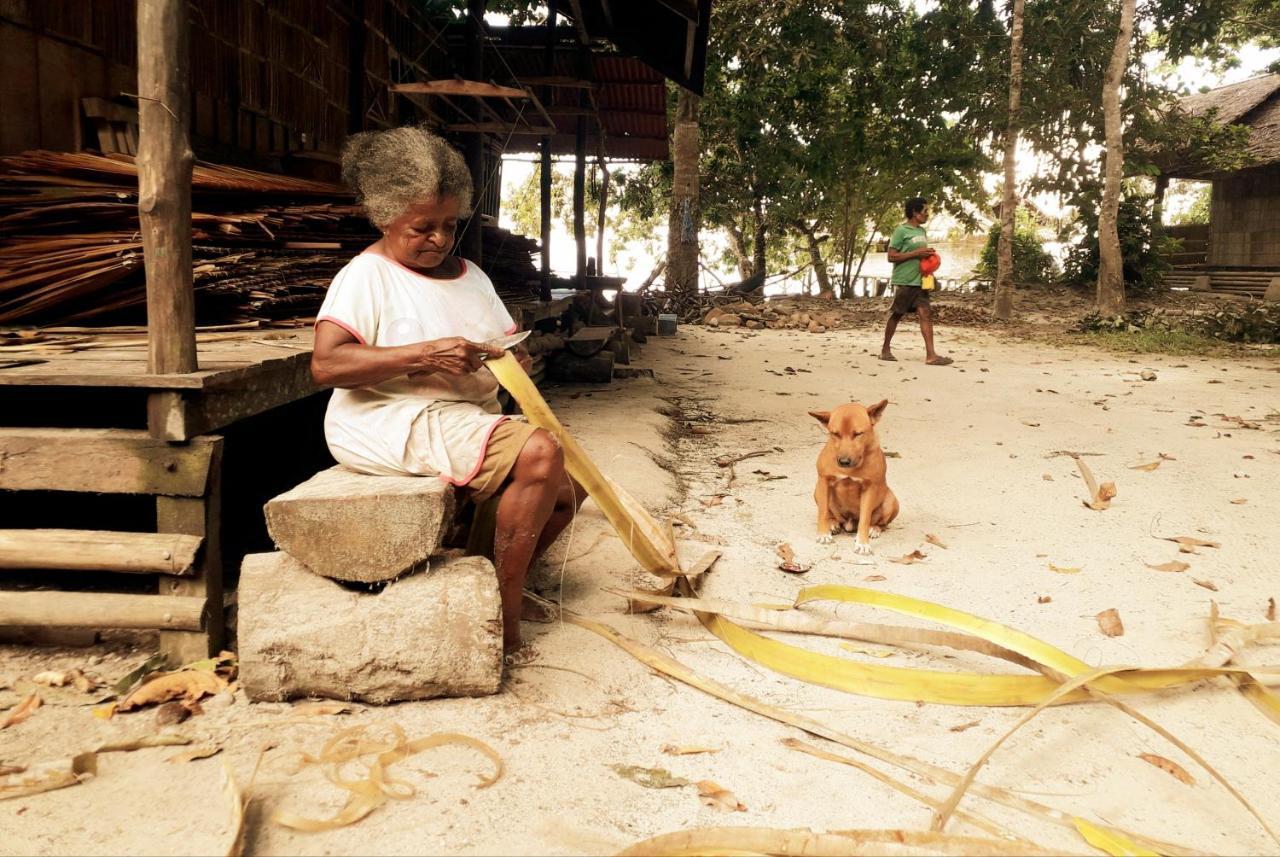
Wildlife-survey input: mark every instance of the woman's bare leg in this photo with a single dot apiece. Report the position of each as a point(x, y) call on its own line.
point(524, 510)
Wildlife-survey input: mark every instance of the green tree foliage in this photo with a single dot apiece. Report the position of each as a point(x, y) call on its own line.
point(1031, 262)
point(1145, 257)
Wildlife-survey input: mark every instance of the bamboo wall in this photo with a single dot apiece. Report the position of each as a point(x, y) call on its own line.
point(1244, 228)
point(268, 76)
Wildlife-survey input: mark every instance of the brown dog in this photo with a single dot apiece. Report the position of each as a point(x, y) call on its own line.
point(851, 476)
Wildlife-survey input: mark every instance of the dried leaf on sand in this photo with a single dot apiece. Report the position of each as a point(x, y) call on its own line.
point(934, 540)
point(1207, 584)
point(1168, 766)
point(1239, 501)
point(789, 563)
point(321, 709)
point(129, 679)
point(1271, 610)
point(1063, 569)
point(910, 558)
point(21, 711)
point(650, 778)
point(673, 750)
point(717, 796)
point(1109, 622)
point(48, 776)
point(192, 755)
point(188, 685)
point(962, 727)
point(1100, 496)
point(1171, 565)
point(1148, 467)
point(1188, 544)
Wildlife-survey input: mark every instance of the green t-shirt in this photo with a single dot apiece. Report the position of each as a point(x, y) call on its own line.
point(905, 239)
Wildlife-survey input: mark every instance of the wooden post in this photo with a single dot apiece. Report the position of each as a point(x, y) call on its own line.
point(356, 34)
point(579, 196)
point(164, 183)
point(196, 516)
point(601, 220)
point(549, 59)
point(473, 240)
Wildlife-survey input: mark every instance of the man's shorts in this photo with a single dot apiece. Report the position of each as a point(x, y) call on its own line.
point(907, 299)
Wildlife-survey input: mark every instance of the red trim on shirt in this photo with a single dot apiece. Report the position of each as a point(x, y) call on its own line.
point(463, 273)
point(484, 449)
point(342, 324)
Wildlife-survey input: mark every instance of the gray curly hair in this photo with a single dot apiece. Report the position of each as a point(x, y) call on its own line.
point(390, 170)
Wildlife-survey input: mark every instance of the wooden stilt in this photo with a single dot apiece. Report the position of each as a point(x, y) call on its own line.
point(196, 516)
point(164, 183)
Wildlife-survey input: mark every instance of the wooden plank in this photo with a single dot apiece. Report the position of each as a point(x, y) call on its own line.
point(99, 550)
point(109, 461)
point(477, 88)
point(177, 416)
point(101, 610)
point(164, 182)
point(101, 108)
point(196, 516)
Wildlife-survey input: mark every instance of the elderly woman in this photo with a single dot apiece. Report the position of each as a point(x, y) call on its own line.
point(401, 336)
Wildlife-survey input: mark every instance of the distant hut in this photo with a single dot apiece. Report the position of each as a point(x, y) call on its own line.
point(1242, 255)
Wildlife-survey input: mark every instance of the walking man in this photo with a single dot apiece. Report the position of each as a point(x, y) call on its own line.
point(907, 247)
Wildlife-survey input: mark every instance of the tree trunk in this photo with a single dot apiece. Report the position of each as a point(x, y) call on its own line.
point(757, 243)
point(1110, 262)
point(862, 260)
point(1157, 207)
point(737, 245)
point(682, 227)
point(815, 257)
point(1008, 206)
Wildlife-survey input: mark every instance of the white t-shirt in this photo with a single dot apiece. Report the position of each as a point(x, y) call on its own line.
point(447, 417)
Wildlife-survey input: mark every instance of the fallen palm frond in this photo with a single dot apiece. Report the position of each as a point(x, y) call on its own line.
point(378, 786)
point(840, 843)
point(1229, 637)
point(663, 663)
point(648, 542)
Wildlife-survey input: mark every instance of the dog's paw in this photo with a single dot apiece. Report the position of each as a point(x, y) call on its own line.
point(875, 532)
point(862, 548)
point(825, 539)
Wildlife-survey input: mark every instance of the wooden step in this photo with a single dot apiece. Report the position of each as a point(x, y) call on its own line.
point(100, 550)
point(102, 610)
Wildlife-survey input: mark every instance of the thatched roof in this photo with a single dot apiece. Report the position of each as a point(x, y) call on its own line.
point(1255, 103)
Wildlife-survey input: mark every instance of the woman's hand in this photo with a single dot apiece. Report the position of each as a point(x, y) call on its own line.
point(453, 355)
point(523, 357)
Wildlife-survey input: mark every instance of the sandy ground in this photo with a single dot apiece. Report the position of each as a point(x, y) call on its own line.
point(975, 466)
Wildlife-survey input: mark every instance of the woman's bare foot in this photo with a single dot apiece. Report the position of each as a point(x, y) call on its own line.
point(887, 355)
point(519, 655)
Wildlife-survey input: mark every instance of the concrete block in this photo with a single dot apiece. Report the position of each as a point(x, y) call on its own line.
point(350, 526)
point(435, 632)
point(1273, 290)
point(1200, 284)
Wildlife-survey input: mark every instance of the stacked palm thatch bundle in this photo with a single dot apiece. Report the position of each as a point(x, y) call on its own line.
point(265, 247)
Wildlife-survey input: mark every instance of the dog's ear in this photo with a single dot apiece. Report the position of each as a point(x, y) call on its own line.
point(876, 410)
point(821, 416)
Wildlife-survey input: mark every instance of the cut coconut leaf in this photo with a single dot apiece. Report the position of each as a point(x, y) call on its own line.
point(1111, 841)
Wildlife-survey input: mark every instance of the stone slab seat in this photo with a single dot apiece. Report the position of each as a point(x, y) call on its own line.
point(434, 632)
point(351, 526)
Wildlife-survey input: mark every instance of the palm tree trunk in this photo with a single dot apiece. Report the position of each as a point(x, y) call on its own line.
point(757, 244)
point(1110, 262)
point(1008, 207)
point(682, 226)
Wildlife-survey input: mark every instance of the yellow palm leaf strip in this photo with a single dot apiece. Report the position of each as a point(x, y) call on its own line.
point(644, 538)
point(1048, 656)
point(1076, 683)
point(1229, 638)
point(843, 843)
point(978, 821)
point(803, 622)
point(669, 666)
point(1114, 843)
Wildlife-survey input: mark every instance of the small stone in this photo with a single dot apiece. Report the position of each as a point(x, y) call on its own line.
point(753, 325)
point(1147, 375)
point(171, 714)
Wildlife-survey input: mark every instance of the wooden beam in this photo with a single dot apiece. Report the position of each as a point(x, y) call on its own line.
point(106, 461)
point(498, 128)
point(183, 416)
point(571, 111)
point(472, 239)
point(559, 80)
point(164, 183)
point(201, 517)
point(101, 610)
point(99, 550)
point(476, 88)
